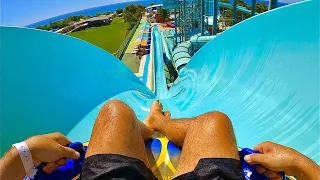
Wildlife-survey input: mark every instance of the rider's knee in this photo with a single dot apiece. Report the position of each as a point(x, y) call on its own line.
point(116, 108)
point(213, 120)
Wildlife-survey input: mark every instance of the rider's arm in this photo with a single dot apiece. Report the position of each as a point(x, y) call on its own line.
point(49, 148)
point(11, 166)
point(276, 158)
point(305, 168)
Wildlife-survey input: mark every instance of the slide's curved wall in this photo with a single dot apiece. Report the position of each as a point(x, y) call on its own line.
point(263, 72)
point(50, 81)
point(161, 89)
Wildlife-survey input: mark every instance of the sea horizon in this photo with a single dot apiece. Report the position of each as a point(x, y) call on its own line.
point(109, 8)
point(91, 11)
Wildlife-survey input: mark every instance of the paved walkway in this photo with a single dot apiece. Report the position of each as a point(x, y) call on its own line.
point(143, 68)
point(131, 60)
point(145, 73)
point(150, 82)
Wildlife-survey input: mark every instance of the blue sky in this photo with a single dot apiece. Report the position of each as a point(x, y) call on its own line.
point(24, 12)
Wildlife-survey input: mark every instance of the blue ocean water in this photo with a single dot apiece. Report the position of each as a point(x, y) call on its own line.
point(92, 11)
point(110, 8)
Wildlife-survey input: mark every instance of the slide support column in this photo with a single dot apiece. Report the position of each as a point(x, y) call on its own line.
point(184, 20)
point(202, 17)
point(273, 4)
point(234, 12)
point(253, 8)
point(215, 16)
point(175, 26)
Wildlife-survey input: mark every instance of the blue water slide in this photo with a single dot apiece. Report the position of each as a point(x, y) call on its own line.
point(169, 41)
point(263, 73)
point(49, 82)
point(200, 40)
point(167, 56)
point(181, 55)
point(172, 31)
point(160, 81)
point(183, 52)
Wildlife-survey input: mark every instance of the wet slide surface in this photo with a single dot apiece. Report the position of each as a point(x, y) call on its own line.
point(263, 73)
point(159, 77)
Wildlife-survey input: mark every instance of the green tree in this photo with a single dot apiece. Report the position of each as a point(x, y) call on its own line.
point(107, 13)
point(140, 8)
point(261, 7)
point(243, 4)
point(130, 13)
point(62, 23)
point(151, 4)
point(228, 12)
point(163, 13)
point(53, 25)
point(225, 1)
point(119, 11)
point(74, 18)
point(98, 14)
point(87, 16)
point(239, 13)
point(45, 27)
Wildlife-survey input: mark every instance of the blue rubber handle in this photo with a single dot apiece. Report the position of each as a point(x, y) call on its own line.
point(75, 146)
point(247, 151)
point(67, 172)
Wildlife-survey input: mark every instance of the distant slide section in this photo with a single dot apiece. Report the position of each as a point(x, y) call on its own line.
point(159, 79)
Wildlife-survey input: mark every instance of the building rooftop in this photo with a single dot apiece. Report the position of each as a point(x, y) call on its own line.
point(99, 18)
point(156, 5)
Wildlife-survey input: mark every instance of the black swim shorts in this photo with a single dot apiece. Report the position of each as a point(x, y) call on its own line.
point(113, 166)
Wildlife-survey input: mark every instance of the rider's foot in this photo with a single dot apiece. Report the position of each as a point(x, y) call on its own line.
point(157, 118)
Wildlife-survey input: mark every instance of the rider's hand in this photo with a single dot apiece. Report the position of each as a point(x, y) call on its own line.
point(273, 158)
point(51, 148)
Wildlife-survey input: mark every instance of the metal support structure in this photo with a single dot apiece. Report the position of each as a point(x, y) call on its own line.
point(207, 24)
point(273, 4)
point(192, 18)
point(207, 5)
point(202, 17)
point(234, 12)
point(175, 26)
point(180, 31)
point(215, 15)
point(253, 7)
point(184, 20)
point(192, 50)
point(192, 15)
